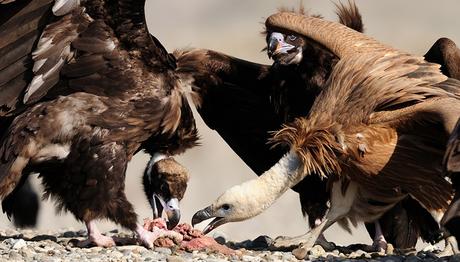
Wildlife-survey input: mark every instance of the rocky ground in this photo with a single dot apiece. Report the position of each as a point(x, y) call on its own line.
point(30, 245)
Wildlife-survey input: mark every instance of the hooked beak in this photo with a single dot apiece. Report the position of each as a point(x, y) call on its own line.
point(276, 46)
point(171, 208)
point(206, 214)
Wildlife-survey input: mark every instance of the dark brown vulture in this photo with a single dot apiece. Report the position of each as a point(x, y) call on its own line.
point(377, 133)
point(83, 87)
point(451, 219)
point(244, 101)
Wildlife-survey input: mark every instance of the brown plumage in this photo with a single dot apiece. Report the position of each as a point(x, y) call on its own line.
point(404, 223)
point(419, 108)
point(85, 87)
point(451, 219)
point(243, 101)
point(376, 132)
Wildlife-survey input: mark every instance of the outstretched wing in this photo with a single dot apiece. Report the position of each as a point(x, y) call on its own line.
point(57, 47)
point(233, 98)
point(51, 48)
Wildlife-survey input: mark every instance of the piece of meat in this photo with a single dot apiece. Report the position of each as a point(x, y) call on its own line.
point(192, 239)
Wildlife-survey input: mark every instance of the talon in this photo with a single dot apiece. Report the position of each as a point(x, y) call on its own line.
point(98, 240)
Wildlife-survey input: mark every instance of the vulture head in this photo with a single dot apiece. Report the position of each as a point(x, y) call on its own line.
point(165, 182)
point(286, 49)
point(251, 198)
point(289, 47)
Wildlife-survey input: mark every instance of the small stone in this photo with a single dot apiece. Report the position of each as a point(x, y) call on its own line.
point(70, 234)
point(245, 244)
point(15, 256)
point(20, 243)
point(95, 249)
point(27, 253)
point(116, 254)
point(413, 259)
point(262, 242)
point(390, 249)
point(81, 233)
point(9, 241)
point(220, 237)
point(163, 250)
point(317, 251)
point(247, 258)
point(132, 248)
point(174, 259)
point(392, 259)
point(127, 253)
point(431, 248)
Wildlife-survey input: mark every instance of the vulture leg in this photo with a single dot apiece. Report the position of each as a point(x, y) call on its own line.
point(95, 237)
point(322, 241)
point(340, 206)
point(379, 240)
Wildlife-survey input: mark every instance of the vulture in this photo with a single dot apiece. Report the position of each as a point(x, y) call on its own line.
point(83, 87)
point(376, 133)
point(244, 101)
point(451, 219)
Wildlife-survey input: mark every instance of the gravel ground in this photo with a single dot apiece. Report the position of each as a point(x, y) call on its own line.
point(31, 245)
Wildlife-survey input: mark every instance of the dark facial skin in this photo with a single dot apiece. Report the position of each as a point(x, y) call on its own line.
point(285, 49)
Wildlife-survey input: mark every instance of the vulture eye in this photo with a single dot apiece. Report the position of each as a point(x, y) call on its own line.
point(292, 37)
point(225, 207)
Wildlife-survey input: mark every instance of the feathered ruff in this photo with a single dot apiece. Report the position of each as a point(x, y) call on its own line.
point(339, 135)
point(316, 146)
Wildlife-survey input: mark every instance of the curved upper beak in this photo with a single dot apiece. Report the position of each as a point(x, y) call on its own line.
point(172, 212)
point(171, 208)
point(276, 45)
point(206, 214)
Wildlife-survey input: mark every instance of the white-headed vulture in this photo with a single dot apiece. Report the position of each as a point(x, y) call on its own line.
point(376, 133)
point(244, 101)
point(83, 87)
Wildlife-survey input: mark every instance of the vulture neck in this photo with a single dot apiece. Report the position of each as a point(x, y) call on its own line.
point(267, 188)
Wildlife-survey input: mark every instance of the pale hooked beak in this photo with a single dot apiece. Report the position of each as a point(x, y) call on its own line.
point(276, 45)
point(171, 208)
point(206, 214)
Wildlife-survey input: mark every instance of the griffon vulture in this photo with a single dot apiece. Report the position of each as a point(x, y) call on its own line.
point(243, 101)
point(83, 87)
point(377, 133)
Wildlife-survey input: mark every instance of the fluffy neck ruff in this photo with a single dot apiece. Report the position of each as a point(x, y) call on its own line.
point(254, 196)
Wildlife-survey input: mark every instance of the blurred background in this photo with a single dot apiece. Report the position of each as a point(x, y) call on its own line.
point(234, 27)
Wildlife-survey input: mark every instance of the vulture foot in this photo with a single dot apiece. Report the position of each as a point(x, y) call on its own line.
point(147, 238)
point(288, 242)
point(95, 237)
point(451, 247)
point(304, 243)
point(379, 244)
point(322, 241)
point(98, 240)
